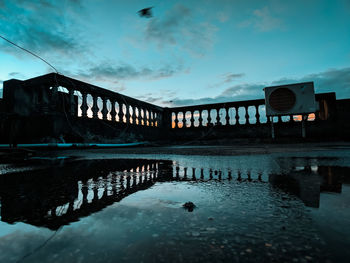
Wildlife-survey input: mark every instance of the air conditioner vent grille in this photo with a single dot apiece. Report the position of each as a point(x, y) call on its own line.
point(282, 99)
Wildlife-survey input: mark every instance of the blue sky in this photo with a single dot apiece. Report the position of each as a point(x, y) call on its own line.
point(189, 52)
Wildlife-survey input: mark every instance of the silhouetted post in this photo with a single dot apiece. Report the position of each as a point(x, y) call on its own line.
point(185, 172)
point(71, 102)
point(104, 108)
point(95, 198)
point(210, 174)
point(139, 118)
point(134, 115)
point(192, 119)
point(291, 119)
point(209, 118)
point(218, 116)
point(227, 117)
point(84, 106)
point(202, 173)
point(200, 119)
point(127, 113)
point(113, 111)
point(184, 120)
point(193, 173)
point(246, 115)
point(237, 116)
point(94, 107)
point(176, 120)
point(120, 112)
point(257, 114)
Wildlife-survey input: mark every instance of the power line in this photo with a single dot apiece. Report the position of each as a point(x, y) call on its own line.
point(30, 52)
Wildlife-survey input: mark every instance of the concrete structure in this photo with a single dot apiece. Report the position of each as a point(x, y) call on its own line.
point(55, 108)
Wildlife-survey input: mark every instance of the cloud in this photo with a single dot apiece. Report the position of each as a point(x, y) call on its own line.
point(110, 72)
point(229, 77)
point(179, 27)
point(263, 20)
point(159, 98)
point(332, 80)
point(42, 26)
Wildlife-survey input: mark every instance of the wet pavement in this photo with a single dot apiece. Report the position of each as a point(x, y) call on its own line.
point(126, 205)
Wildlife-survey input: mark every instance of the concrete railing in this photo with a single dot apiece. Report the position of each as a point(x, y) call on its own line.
point(42, 94)
point(249, 112)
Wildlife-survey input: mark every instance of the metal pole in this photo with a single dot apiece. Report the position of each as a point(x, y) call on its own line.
point(272, 129)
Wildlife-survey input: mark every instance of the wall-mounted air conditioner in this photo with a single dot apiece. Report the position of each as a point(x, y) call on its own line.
point(292, 99)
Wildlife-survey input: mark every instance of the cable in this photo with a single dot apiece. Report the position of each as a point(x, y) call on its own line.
point(30, 52)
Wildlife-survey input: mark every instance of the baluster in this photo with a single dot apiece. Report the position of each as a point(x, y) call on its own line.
point(246, 115)
point(237, 116)
point(84, 106)
point(143, 117)
point(151, 118)
point(291, 119)
point(200, 119)
point(139, 118)
point(257, 114)
point(147, 117)
point(158, 119)
point(120, 113)
point(104, 108)
point(113, 111)
point(218, 117)
point(279, 119)
point(184, 120)
point(176, 120)
point(193, 173)
point(227, 117)
point(133, 115)
point(209, 118)
point(94, 107)
point(71, 102)
point(202, 173)
point(95, 198)
point(192, 118)
point(127, 114)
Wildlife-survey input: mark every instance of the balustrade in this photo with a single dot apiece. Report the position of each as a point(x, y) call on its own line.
point(127, 110)
point(210, 115)
point(106, 105)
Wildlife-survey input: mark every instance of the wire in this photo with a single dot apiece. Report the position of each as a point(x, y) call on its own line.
point(30, 52)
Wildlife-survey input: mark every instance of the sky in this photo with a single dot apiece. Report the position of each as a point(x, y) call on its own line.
point(190, 52)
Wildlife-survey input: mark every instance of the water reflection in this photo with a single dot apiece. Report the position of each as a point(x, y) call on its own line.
point(65, 191)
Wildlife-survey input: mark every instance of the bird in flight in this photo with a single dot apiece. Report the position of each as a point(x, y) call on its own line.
point(146, 12)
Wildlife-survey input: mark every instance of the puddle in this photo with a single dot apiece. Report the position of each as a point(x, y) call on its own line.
point(248, 209)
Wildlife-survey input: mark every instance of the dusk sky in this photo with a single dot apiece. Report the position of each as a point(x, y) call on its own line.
point(189, 52)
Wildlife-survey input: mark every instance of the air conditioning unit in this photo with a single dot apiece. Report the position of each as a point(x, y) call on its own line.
point(292, 99)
